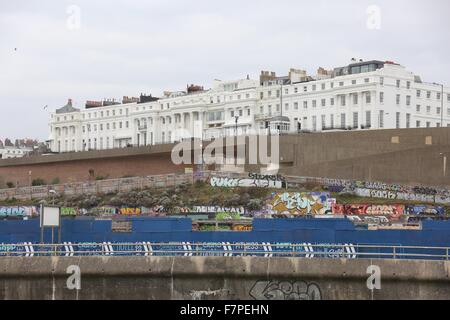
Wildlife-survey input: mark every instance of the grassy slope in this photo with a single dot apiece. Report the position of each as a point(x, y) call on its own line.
point(203, 194)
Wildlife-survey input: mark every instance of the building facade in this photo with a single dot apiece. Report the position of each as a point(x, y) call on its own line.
point(8, 152)
point(361, 96)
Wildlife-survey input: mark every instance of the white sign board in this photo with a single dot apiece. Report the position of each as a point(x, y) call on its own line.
point(50, 217)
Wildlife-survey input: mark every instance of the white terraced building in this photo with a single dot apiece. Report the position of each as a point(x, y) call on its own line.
point(8, 152)
point(361, 96)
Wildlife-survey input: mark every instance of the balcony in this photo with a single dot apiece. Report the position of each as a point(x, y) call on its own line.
point(266, 116)
point(142, 127)
point(334, 128)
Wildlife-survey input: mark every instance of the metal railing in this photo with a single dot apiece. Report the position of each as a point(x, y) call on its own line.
point(226, 249)
point(99, 186)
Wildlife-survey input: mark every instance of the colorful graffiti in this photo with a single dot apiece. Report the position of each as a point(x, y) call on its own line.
point(370, 219)
point(394, 212)
point(392, 195)
point(257, 176)
point(19, 211)
point(425, 210)
point(103, 211)
point(180, 209)
point(296, 203)
point(215, 209)
point(130, 211)
point(387, 191)
point(212, 227)
point(225, 182)
point(156, 211)
point(65, 211)
point(228, 216)
point(242, 227)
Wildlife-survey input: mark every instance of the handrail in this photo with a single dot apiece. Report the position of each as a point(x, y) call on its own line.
point(304, 250)
point(244, 244)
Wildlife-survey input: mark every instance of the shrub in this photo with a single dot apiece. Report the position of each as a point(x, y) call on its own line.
point(10, 184)
point(232, 201)
point(255, 204)
point(56, 181)
point(38, 182)
point(199, 184)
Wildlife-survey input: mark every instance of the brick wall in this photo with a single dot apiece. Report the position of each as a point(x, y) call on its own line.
point(78, 170)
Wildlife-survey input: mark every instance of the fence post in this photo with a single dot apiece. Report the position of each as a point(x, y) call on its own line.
point(395, 254)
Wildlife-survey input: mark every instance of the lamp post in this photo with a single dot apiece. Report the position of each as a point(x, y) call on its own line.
point(30, 184)
point(442, 108)
point(53, 193)
point(236, 118)
point(201, 158)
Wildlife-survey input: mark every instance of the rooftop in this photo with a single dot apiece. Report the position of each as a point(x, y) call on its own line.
point(67, 108)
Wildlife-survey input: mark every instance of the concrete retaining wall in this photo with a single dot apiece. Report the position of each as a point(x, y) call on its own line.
point(220, 278)
point(407, 156)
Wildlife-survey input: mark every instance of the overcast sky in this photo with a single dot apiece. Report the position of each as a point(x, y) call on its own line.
point(54, 50)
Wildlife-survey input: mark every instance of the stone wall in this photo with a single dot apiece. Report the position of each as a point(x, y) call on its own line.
point(204, 278)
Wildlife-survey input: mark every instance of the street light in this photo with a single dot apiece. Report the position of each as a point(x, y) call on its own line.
point(442, 107)
point(236, 118)
point(53, 193)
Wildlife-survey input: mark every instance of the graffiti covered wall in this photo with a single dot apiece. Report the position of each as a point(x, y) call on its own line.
point(296, 203)
point(387, 191)
point(392, 212)
point(20, 211)
point(425, 210)
point(253, 180)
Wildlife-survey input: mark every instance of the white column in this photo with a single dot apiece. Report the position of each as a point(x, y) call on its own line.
point(191, 129)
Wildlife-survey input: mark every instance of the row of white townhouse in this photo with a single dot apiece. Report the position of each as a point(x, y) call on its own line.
point(364, 95)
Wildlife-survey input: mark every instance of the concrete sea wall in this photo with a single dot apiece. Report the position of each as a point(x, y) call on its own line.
point(204, 278)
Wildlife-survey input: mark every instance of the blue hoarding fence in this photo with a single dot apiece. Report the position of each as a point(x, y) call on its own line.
point(227, 249)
